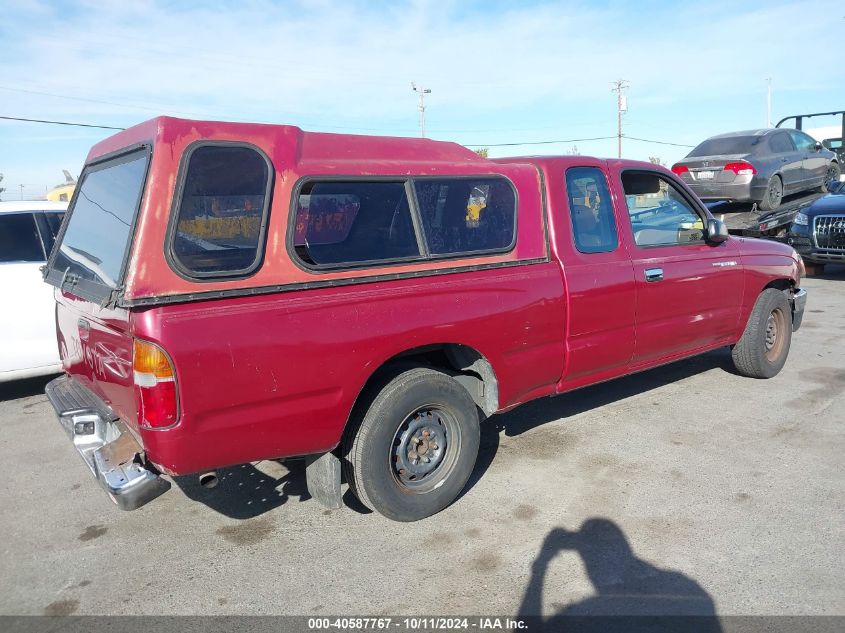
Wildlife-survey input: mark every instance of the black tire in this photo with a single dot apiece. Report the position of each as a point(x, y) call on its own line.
point(762, 350)
point(409, 454)
point(773, 196)
point(832, 175)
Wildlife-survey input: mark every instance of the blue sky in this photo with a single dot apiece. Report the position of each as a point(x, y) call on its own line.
point(500, 72)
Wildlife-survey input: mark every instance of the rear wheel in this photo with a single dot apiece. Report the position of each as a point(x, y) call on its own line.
point(413, 449)
point(774, 194)
point(764, 346)
point(831, 176)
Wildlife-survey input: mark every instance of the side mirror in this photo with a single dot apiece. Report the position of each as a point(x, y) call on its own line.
point(717, 232)
point(817, 146)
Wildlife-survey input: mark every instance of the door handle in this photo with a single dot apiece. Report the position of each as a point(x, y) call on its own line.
point(84, 329)
point(653, 274)
point(784, 160)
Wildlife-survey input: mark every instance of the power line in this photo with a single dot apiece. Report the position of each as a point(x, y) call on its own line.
point(581, 140)
point(101, 127)
point(131, 106)
point(570, 140)
point(648, 140)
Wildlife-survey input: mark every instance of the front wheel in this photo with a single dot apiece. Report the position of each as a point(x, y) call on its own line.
point(762, 350)
point(774, 194)
point(831, 176)
point(412, 451)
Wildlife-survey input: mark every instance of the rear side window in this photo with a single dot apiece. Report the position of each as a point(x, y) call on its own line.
point(780, 144)
point(467, 215)
point(96, 240)
point(348, 223)
point(591, 209)
point(19, 241)
point(222, 211)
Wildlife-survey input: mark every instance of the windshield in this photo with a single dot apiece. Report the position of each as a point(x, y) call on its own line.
point(727, 145)
point(95, 241)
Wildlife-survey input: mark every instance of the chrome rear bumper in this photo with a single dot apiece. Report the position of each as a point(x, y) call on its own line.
point(109, 449)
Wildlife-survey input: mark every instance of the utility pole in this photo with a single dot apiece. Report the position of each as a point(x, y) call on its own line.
point(619, 86)
point(422, 92)
point(768, 102)
point(21, 186)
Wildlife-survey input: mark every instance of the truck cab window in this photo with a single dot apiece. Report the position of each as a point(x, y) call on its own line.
point(591, 210)
point(660, 215)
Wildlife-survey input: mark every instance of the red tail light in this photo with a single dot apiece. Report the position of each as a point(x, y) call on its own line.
point(740, 168)
point(155, 386)
point(679, 169)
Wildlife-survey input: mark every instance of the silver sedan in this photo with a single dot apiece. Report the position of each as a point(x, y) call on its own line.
point(759, 166)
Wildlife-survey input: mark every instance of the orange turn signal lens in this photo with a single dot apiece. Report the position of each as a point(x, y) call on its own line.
point(151, 360)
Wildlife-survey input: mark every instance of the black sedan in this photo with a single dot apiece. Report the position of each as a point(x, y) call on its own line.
point(818, 230)
point(759, 166)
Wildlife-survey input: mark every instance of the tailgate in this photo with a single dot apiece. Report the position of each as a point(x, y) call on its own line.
point(87, 266)
point(96, 348)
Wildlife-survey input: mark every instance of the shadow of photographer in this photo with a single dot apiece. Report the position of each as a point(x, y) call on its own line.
point(630, 593)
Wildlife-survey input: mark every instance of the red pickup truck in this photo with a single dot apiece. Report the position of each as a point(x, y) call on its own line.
point(228, 293)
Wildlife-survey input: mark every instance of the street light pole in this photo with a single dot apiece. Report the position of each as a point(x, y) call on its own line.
point(421, 106)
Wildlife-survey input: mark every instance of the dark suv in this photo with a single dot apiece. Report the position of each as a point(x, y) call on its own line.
point(818, 230)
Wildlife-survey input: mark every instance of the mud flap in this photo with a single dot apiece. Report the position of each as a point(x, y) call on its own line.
point(322, 476)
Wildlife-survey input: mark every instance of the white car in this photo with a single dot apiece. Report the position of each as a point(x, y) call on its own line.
point(28, 346)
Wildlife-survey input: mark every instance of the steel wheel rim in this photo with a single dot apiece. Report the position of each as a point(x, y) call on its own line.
point(775, 192)
point(424, 449)
point(773, 337)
